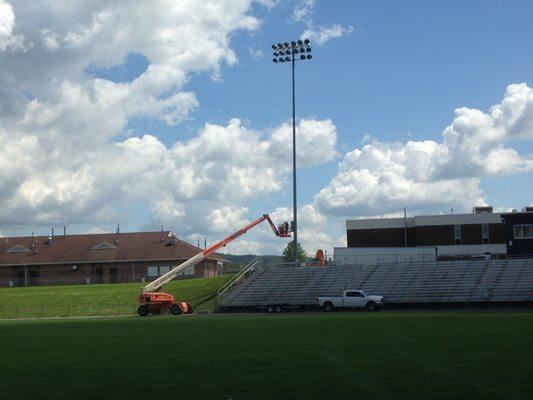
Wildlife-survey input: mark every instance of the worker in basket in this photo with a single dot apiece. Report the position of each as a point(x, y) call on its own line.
point(283, 228)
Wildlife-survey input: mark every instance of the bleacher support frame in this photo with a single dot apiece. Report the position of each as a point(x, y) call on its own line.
point(438, 284)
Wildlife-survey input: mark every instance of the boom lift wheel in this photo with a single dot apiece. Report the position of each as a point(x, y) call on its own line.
point(279, 309)
point(175, 309)
point(270, 309)
point(143, 310)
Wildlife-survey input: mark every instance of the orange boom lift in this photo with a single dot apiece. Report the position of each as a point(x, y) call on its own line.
point(152, 301)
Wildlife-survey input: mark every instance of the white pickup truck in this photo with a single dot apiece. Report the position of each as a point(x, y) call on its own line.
point(351, 299)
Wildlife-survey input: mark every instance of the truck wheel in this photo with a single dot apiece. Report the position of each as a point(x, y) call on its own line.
point(143, 310)
point(270, 309)
point(371, 306)
point(279, 309)
point(175, 309)
point(328, 307)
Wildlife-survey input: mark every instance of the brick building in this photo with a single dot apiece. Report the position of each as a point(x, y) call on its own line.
point(97, 258)
point(483, 233)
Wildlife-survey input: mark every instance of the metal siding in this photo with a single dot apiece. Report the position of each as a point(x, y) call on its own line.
point(471, 234)
point(391, 237)
point(438, 235)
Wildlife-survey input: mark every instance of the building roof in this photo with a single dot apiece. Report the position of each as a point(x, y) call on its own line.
point(102, 247)
point(424, 220)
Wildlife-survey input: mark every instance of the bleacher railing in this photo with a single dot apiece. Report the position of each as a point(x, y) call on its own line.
point(238, 278)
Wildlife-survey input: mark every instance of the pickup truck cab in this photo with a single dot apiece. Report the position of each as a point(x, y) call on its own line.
point(351, 299)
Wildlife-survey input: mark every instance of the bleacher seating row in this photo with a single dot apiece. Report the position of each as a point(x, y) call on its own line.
point(465, 281)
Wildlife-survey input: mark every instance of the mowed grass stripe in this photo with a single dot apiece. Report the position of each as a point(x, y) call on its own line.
point(85, 300)
point(412, 355)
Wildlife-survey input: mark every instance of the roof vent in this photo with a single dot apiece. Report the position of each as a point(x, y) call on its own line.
point(18, 249)
point(173, 239)
point(103, 246)
point(482, 210)
point(528, 209)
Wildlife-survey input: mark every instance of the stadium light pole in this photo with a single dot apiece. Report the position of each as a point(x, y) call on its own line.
point(290, 53)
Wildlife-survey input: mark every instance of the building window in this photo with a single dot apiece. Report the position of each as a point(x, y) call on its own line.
point(457, 233)
point(103, 246)
point(152, 271)
point(188, 272)
point(18, 249)
point(163, 270)
point(523, 231)
point(485, 233)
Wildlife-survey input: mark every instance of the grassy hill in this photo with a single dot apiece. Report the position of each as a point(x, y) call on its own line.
point(401, 355)
point(84, 300)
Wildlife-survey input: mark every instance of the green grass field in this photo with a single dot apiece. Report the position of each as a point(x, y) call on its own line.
point(81, 300)
point(385, 355)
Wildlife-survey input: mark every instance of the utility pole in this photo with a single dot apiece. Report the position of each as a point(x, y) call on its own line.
point(405, 226)
point(284, 53)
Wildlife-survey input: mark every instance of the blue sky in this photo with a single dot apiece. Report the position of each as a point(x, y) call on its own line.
point(397, 73)
point(398, 76)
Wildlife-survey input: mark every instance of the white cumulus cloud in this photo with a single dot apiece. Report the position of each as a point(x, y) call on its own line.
point(303, 12)
point(9, 41)
point(325, 33)
point(383, 177)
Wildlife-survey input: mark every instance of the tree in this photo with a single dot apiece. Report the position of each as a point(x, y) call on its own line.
point(288, 253)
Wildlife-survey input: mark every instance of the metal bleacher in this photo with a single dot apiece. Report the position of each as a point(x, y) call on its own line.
point(458, 281)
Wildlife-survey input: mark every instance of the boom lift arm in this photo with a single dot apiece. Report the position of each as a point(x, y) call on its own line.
point(163, 279)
